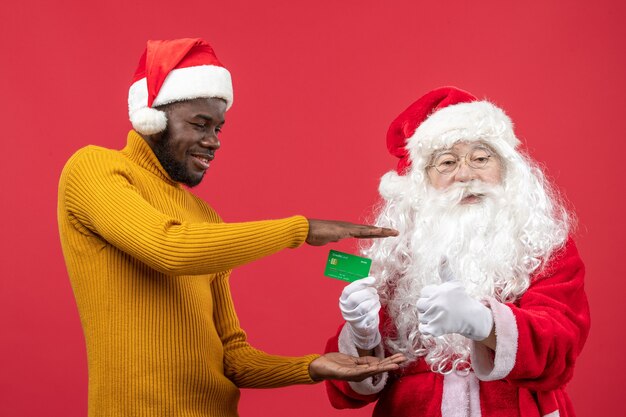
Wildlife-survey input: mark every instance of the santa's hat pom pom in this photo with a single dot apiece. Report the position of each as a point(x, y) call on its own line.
point(148, 121)
point(393, 186)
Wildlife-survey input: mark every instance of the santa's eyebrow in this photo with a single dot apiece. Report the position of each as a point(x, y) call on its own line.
point(477, 145)
point(440, 152)
point(483, 145)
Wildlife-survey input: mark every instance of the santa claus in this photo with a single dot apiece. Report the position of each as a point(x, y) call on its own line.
point(482, 290)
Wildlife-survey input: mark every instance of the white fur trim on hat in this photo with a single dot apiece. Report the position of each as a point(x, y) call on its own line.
point(473, 121)
point(181, 84)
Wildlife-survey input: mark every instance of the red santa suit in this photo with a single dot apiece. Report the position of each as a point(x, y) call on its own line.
point(539, 338)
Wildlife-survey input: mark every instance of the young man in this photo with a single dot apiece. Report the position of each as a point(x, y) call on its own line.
point(482, 290)
point(149, 262)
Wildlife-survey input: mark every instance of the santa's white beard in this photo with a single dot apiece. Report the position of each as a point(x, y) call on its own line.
point(482, 245)
point(493, 247)
point(478, 240)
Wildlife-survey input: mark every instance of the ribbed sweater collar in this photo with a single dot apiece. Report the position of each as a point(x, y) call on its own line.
point(138, 151)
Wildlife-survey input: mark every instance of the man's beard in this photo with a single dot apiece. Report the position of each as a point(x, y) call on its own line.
point(177, 170)
point(478, 241)
point(471, 237)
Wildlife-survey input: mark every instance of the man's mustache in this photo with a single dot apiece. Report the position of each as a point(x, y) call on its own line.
point(459, 190)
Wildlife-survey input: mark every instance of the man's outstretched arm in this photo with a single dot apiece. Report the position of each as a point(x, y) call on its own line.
point(322, 232)
point(100, 197)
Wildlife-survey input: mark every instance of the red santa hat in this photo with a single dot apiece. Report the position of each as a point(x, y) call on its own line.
point(442, 117)
point(170, 71)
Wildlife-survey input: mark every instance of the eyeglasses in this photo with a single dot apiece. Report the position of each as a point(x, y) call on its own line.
point(448, 162)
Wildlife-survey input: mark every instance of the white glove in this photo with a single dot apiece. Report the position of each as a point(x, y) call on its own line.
point(359, 305)
point(446, 308)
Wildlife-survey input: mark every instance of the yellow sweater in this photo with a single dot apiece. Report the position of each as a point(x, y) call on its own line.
point(149, 264)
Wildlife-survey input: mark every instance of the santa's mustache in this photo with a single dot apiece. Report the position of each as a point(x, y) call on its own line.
point(456, 192)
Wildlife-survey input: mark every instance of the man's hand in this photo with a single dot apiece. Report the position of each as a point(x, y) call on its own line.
point(447, 308)
point(322, 232)
point(335, 365)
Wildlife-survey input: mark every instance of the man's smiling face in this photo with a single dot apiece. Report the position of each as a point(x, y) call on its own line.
point(186, 148)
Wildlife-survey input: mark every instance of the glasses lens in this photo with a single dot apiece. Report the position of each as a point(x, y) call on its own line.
point(446, 163)
point(478, 158)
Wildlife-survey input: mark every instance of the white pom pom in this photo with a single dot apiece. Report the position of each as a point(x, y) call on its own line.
point(148, 121)
point(393, 186)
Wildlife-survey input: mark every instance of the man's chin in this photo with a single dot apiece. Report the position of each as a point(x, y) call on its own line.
point(193, 182)
point(189, 179)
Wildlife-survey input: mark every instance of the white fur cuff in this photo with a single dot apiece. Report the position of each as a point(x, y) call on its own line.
point(371, 385)
point(490, 367)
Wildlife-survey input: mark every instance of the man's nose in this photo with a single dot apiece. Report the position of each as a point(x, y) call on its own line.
point(211, 141)
point(464, 172)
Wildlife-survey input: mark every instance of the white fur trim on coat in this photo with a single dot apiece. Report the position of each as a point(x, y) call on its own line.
point(371, 385)
point(461, 396)
point(486, 365)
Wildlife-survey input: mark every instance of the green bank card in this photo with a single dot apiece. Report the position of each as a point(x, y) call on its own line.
point(347, 267)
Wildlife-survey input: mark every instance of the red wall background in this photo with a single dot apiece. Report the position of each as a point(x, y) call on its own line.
point(316, 85)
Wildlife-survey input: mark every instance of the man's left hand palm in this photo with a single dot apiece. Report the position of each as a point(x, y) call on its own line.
point(335, 365)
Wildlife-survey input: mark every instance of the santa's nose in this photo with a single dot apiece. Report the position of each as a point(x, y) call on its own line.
point(464, 172)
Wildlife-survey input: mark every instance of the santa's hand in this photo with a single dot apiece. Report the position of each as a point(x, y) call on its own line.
point(359, 305)
point(447, 308)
